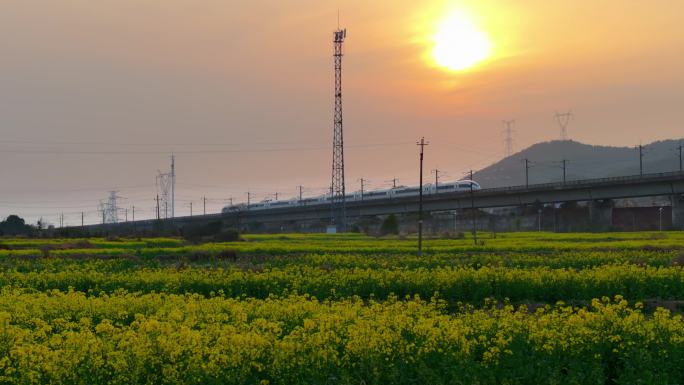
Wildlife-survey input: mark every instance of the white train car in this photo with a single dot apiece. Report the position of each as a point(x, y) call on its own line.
point(372, 194)
point(282, 204)
point(457, 186)
point(401, 192)
point(234, 208)
point(398, 192)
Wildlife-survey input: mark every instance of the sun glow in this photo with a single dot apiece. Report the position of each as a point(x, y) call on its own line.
point(459, 44)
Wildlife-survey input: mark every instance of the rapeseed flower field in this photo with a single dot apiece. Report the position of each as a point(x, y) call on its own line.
point(527, 308)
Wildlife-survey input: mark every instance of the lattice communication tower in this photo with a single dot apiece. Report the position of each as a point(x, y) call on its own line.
point(337, 187)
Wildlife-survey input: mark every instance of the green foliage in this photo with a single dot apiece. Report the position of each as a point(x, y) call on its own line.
point(14, 225)
point(197, 232)
point(227, 236)
point(390, 225)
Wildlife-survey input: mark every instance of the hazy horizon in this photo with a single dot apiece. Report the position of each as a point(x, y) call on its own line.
point(96, 96)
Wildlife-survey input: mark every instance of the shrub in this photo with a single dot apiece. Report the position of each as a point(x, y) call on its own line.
point(390, 225)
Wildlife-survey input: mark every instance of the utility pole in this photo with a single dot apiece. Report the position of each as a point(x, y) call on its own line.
point(300, 193)
point(394, 182)
point(641, 160)
point(564, 162)
point(173, 186)
point(539, 216)
point(190, 208)
point(249, 199)
point(362, 180)
point(82, 219)
point(126, 215)
point(158, 213)
point(166, 210)
point(276, 195)
point(133, 213)
point(472, 208)
point(680, 156)
point(204, 204)
point(422, 145)
point(660, 212)
point(527, 172)
point(436, 172)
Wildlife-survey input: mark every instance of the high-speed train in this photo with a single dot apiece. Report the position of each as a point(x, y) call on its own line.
point(397, 192)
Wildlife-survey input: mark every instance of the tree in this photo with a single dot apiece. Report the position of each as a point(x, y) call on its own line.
point(15, 225)
point(390, 225)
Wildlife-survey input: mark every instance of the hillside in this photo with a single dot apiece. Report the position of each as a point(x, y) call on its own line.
point(584, 161)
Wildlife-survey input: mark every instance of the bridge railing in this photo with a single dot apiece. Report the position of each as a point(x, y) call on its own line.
point(579, 182)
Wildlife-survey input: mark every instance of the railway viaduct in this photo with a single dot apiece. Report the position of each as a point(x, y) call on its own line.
point(593, 191)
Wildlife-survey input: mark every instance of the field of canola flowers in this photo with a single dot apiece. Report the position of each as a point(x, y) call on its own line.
point(525, 308)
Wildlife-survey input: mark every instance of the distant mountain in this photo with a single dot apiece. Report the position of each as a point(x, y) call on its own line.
point(583, 161)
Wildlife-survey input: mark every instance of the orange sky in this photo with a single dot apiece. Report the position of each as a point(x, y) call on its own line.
point(140, 78)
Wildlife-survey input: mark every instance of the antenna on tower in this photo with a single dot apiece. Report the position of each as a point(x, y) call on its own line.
point(337, 188)
point(508, 136)
point(563, 120)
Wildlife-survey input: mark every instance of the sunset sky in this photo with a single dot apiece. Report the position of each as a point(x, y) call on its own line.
point(94, 95)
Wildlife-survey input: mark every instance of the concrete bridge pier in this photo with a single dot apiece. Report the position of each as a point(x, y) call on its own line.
point(601, 214)
point(677, 211)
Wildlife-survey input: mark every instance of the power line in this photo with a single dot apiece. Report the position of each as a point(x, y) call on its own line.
point(186, 152)
point(178, 144)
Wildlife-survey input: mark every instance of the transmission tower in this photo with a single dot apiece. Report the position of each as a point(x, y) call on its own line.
point(338, 204)
point(110, 209)
point(508, 136)
point(563, 120)
point(173, 186)
point(166, 186)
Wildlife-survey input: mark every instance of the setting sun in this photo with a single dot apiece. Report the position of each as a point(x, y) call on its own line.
point(459, 44)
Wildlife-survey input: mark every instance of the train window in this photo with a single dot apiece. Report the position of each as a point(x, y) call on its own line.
point(408, 190)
